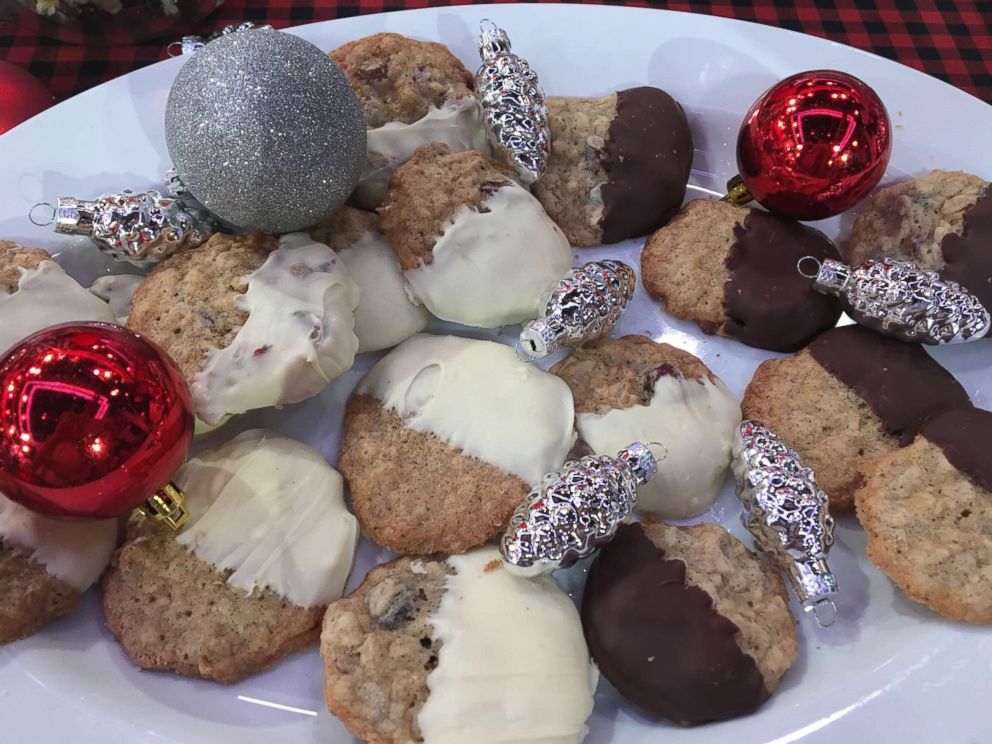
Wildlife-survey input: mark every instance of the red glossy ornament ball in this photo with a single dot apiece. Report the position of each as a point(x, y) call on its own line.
point(814, 145)
point(21, 96)
point(94, 419)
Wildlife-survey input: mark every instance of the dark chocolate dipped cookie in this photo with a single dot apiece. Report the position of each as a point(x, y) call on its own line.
point(927, 511)
point(732, 271)
point(941, 221)
point(619, 164)
point(850, 396)
point(687, 623)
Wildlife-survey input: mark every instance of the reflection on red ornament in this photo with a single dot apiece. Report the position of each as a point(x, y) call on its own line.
point(94, 419)
point(814, 145)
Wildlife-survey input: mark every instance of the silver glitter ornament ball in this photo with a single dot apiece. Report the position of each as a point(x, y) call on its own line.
point(265, 131)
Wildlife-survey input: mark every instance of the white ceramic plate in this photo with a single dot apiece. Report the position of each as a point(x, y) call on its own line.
point(888, 671)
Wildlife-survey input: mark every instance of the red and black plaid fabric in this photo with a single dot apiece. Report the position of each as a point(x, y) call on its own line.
point(950, 39)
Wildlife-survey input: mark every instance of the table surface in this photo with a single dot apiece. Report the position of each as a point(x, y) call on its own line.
point(950, 39)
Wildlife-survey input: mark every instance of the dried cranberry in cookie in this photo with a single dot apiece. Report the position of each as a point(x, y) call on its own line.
point(633, 389)
point(267, 545)
point(251, 321)
point(732, 271)
point(619, 164)
point(687, 623)
point(475, 246)
point(454, 651)
point(412, 93)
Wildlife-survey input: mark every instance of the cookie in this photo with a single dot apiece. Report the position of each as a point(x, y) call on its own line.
point(386, 312)
point(267, 546)
point(927, 512)
point(475, 246)
point(619, 164)
point(633, 389)
point(445, 437)
point(412, 93)
point(46, 565)
point(941, 221)
point(849, 397)
point(251, 321)
point(732, 271)
point(117, 290)
point(687, 623)
point(423, 648)
point(36, 293)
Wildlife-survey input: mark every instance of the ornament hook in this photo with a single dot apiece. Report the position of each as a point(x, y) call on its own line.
point(812, 260)
point(50, 219)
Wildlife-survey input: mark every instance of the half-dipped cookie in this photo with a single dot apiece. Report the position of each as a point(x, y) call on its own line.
point(46, 565)
point(267, 546)
point(35, 293)
point(475, 246)
point(252, 321)
point(687, 623)
point(849, 397)
point(927, 511)
point(386, 312)
point(633, 389)
point(412, 93)
point(457, 650)
point(619, 164)
point(445, 437)
point(941, 221)
point(732, 271)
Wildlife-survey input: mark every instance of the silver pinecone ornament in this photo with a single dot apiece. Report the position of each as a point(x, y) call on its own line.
point(787, 514)
point(583, 306)
point(575, 510)
point(513, 105)
point(190, 44)
point(900, 299)
point(141, 228)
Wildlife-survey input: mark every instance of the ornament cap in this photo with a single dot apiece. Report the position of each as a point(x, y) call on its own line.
point(541, 337)
point(493, 40)
point(737, 192)
point(641, 461)
point(167, 505)
point(832, 277)
point(74, 216)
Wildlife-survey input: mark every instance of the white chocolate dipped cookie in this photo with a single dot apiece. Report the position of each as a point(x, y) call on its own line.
point(387, 313)
point(457, 650)
point(251, 321)
point(267, 545)
point(445, 436)
point(476, 247)
point(633, 389)
point(412, 93)
point(46, 565)
point(36, 293)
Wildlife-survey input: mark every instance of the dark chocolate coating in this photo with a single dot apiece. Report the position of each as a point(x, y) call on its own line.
point(969, 255)
point(963, 435)
point(769, 304)
point(900, 382)
point(648, 158)
point(659, 641)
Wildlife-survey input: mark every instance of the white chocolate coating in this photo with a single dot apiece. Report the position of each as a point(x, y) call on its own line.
point(117, 290)
point(457, 124)
point(695, 421)
point(478, 397)
point(75, 552)
point(272, 510)
point(46, 296)
point(386, 314)
point(299, 334)
point(513, 664)
point(494, 267)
